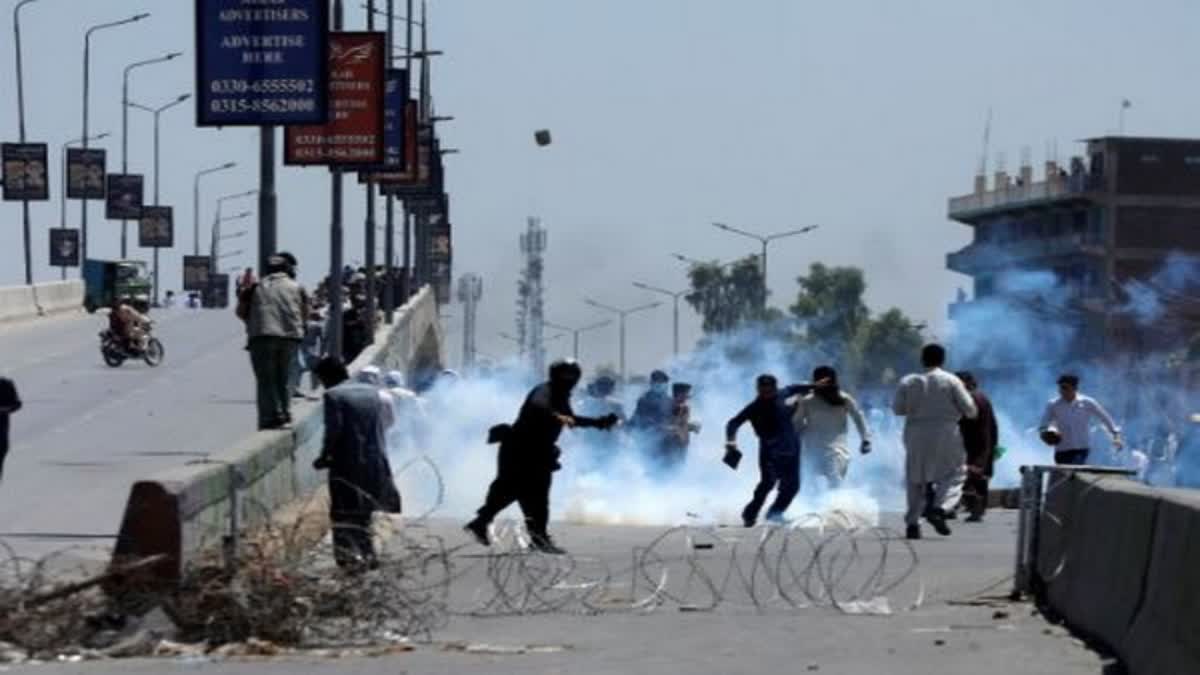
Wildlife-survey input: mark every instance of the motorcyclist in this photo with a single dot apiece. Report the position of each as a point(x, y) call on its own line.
point(127, 324)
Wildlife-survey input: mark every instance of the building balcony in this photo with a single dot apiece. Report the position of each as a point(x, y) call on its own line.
point(1054, 189)
point(979, 256)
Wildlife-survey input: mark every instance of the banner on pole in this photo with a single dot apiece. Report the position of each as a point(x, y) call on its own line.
point(156, 229)
point(64, 247)
point(195, 272)
point(261, 62)
point(354, 134)
point(85, 173)
point(216, 291)
point(124, 199)
point(25, 177)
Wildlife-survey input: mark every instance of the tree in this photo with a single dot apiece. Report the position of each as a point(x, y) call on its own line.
point(830, 308)
point(727, 297)
point(885, 347)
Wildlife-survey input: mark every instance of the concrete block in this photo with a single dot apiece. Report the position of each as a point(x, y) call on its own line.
point(17, 302)
point(1165, 635)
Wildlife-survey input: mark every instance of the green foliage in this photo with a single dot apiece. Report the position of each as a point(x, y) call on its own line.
point(830, 305)
point(886, 347)
point(727, 297)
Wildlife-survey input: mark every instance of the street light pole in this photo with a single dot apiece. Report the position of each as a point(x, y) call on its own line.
point(333, 340)
point(125, 131)
point(576, 332)
point(622, 314)
point(87, 50)
point(196, 203)
point(157, 112)
point(675, 296)
point(765, 240)
point(21, 121)
point(369, 224)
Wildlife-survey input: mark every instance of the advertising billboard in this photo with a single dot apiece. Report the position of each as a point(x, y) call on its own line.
point(354, 134)
point(195, 272)
point(85, 173)
point(25, 177)
point(261, 62)
point(156, 228)
point(64, 247)
point(124, 198)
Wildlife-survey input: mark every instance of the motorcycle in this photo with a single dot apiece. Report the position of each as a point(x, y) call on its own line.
point(115, 351)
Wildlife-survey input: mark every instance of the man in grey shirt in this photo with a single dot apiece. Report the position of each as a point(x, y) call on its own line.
point(274, 310)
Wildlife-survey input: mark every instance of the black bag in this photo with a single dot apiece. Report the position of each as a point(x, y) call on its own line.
point(732, 458)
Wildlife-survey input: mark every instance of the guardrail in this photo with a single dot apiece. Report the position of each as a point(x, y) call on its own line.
point(27, 302)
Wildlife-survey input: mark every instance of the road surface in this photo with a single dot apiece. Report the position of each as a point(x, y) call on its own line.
point(87, 430)
point(964, 625)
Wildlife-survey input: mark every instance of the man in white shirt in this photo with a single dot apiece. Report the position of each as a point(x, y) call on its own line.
point(932, 403)
point(1066, 424)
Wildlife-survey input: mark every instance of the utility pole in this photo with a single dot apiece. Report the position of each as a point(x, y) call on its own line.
point(765, 240)
point(531, 293)
point(408, 210)
point(389, 236)
point(675, 296)
point(470, 292)
point(576, 332)
point(369, 225)
point(334, 339)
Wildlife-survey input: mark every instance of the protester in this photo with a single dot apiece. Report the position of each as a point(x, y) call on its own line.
point(413, 426)
point(932, 403)
point(10, 402)
point(246, 280)
point(778, 446)
point(679, 429)
point(980, 437)
point(308, 355)
point(822, 420)
point(600, 402)
point(274, 310)
point(1066, 423)
point(528, 456)
point(355, 453)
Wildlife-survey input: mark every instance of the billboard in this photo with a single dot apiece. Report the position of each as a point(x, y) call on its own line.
point(124, 199)
point(25, 177)
point(64, 247)
point(195, 272)
point(85, 173)
point(261, 62)
point(403, 173)
point(216, 291)
point(156, 228)
point(439, 243)
point(355, 130)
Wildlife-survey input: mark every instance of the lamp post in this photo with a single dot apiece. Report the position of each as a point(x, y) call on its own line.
point(21, 123)
point(196, 203)
point(157, 112)
point(675, 296)
point(622, 314)
point(576, 332)
point(62, 197)
point(87, 50)
point(765, 240)
point(696, 261)
point(125, 136)
point(215, 244)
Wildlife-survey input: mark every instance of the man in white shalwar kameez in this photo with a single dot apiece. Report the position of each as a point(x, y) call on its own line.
point(932, 404)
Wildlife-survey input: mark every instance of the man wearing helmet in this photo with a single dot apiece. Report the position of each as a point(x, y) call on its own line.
point(528, 455)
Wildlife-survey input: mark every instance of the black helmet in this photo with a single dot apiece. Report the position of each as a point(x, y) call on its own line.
point(659, 376)
point(565, 370)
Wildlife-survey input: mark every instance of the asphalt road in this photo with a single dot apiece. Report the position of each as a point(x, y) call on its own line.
point(87, 431)
point(965, 624)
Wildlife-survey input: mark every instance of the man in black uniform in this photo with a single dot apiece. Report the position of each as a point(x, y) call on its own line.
point(10, 403)
point(529, 456)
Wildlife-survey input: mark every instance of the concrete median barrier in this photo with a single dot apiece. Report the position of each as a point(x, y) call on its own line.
point(1165, 636)
point(27, 302)
point(189, 511)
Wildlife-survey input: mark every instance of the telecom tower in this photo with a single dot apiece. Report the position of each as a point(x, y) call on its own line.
point(470, 292)
point(530, 303)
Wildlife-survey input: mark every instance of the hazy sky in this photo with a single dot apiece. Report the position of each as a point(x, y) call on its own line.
point(861, 116)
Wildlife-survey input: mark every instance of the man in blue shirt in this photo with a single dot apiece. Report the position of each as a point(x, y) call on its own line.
point(770, 415)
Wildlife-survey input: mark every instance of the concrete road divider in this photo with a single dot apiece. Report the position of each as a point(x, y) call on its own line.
point(27, 302)
point(188, 511)
point(1165, 636)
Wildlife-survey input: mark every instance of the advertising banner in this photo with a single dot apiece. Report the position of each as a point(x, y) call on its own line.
point(156, 229)
point(25, 177)
point(64, 247)
point(354, 133)
point(124, 199)
point(85, 173)
point(406, 173)
point(195, 272)
point(216, 291)
point(439, 243)
point(261, 62)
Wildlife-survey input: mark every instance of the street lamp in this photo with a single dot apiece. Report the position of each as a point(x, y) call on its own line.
point(675, 296)
point(125, 130)
point(196, 203)
point(215, 244)
point(21, 122)
point(157, 112)
point(62, 196)
point(764, 240)
point(87, 51)
point(577, 331)
point(622, 314)
point(696, 261)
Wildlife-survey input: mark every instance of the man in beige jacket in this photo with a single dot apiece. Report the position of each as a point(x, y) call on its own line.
point(274, 310)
